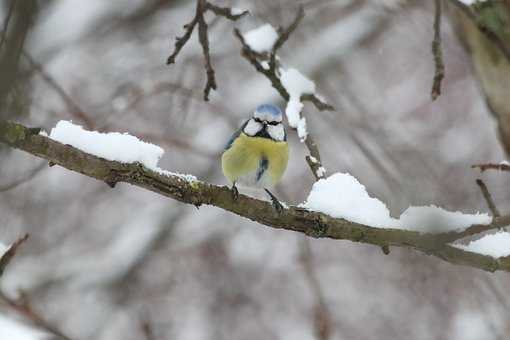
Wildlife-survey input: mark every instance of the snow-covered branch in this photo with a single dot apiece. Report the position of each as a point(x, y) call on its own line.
point(301, 219)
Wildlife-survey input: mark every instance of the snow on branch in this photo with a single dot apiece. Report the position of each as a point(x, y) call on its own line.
point(299, 219)
point(343, 196)
point(259, 47)
point(199, 19)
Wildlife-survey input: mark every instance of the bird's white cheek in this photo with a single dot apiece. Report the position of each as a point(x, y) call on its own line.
point(276, 132)
point(252, 128)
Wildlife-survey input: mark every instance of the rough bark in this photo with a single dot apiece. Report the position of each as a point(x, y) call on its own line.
point(293, 218)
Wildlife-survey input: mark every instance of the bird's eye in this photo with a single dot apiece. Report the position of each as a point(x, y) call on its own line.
point(257, 120)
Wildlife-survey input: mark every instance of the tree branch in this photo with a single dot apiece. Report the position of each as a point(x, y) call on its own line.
point(271, 73)
point(9, 254)
point(196, 192)
point(488, 198)
point(492, 166)
point(437, 53)
point(487, 31)
point(199, 19)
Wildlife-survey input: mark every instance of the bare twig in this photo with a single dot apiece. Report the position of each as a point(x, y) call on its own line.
point(492, 166)
point(488, 198)
point(199, 19)
point(204, 42)
point(6, 23)
point(147, 331)
point(437, 52)
point(491, 35)
point(283, 36)
point(322, 316)
point(9, 254)
point(256, 59)
point(24, 308)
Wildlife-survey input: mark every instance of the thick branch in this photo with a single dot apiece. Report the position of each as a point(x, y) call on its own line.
point(483, 27)
point(296, 219)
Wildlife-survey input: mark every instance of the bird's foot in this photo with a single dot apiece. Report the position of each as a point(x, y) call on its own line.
point(276, 204)
point(235, 192)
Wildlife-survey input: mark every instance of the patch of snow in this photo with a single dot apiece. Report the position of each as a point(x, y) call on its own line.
point(321, 171)
point(43, 133)
point(505, 162)
point(13, 330)
point(296, 85)
point(468, 325)
point(237, 11)
point(342, 196)
point(3, 249)
point(495, 245)
point(113, 146)
point(261, 39)
point(470, 2)
point(434, 219)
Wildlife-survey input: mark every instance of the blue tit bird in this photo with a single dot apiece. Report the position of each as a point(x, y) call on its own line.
point(258, 153)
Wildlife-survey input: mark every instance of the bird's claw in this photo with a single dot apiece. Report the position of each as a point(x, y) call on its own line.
point(275, 203)
point(235, 193)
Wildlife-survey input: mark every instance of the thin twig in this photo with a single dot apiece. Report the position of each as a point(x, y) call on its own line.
point(437, 53)
point(488, 198)
point(9, 254)
point(199, 19)
point(313, 160)
point(6, 23)
point(283, 36)
point(322, 316)
point(24, 308)
point(492, 166)
point(204, 42)
point(147, 331)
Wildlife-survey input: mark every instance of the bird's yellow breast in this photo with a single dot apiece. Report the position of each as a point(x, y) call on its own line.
point(245, 154)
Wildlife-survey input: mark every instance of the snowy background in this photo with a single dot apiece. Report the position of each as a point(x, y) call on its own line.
point(100, 263)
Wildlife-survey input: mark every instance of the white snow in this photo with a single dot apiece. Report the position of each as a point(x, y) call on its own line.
point(237, 11)
point(13, 330)
point(113, 146)
point(261, 39)
point(296, 85)
point(435, 219)
point(470, 2)
point(495, 245)
point(342, 196)
point(3, 249)
point(321, 171)
point(505, 162)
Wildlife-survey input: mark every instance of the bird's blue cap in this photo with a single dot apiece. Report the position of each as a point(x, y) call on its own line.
point(268, 112)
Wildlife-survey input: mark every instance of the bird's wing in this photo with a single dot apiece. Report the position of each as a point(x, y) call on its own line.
point(235, 135)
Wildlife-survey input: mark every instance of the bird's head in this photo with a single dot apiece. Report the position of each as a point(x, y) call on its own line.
point(266, 122)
